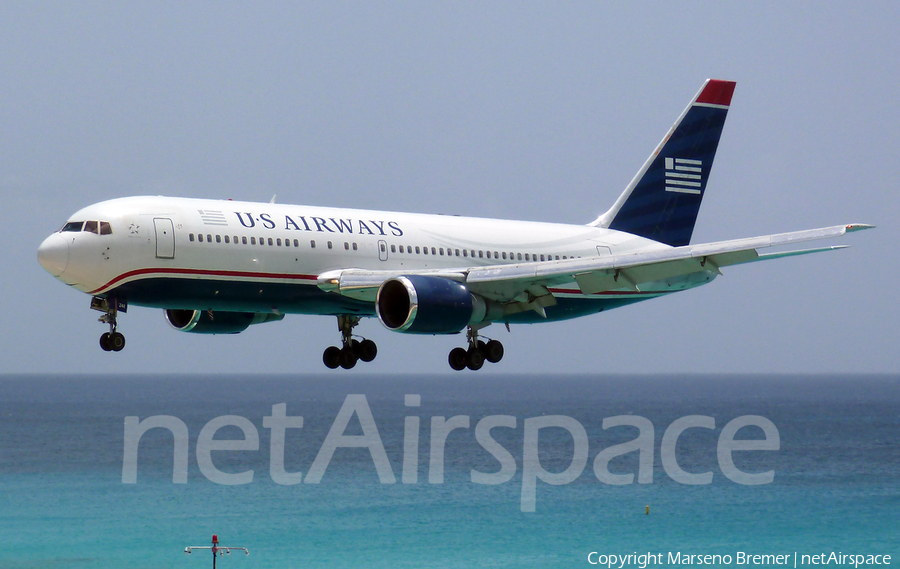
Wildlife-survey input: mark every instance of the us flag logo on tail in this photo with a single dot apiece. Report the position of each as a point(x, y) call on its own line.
point(683, 175)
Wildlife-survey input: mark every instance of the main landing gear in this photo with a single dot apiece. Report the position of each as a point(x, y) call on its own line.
point(352, 349)
point(479, 351)
point(111, 341)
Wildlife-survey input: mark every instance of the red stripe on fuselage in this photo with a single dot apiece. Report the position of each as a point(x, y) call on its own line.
point(203, 272)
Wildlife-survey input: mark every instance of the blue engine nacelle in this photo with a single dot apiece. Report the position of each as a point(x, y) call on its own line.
point(419, 304)
point(209, 322)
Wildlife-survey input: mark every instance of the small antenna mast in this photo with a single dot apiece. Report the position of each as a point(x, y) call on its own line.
point(216, 549)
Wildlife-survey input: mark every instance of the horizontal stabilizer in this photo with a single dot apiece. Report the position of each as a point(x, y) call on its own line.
point(769, 256)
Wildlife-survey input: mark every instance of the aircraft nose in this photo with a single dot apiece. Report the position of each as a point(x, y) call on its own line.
point(53, 254)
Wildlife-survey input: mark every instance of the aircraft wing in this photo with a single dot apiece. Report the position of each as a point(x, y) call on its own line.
point(528, 283)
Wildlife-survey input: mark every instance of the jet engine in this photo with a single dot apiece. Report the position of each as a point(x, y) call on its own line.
point(418, 304)
point(209, 322)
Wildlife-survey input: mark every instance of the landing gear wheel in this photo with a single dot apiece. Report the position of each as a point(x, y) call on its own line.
point(474, 359)
point(116, 341)
point(493, 351)
point(347, 357)
point(457, 359)
point(332, 357)
point(366, 350)
point(111, 341)
point(351, 350)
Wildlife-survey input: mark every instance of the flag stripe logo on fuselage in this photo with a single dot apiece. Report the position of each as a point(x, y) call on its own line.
point(212, 217)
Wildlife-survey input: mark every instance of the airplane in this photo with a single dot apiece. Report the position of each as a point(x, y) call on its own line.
point(220, 266)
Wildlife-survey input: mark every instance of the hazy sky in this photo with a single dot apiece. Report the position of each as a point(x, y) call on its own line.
point(509, 110)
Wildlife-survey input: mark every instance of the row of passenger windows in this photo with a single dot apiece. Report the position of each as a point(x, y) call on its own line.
point(481, 254)
point(244, 240)
point(98, 227)
point(404, 249)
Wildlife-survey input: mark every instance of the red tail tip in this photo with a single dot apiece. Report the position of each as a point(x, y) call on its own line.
point(717, 92)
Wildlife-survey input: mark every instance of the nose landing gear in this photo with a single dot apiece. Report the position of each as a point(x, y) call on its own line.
point(352, 350)
point(478, 352)
point(111, 341)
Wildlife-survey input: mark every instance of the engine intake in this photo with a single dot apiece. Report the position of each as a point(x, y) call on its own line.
point(418, 304)
point(209, 322)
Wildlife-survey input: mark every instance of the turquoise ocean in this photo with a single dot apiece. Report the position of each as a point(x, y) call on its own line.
point(63, 503)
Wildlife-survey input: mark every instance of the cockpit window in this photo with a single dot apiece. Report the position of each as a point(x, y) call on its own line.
point(101, 227)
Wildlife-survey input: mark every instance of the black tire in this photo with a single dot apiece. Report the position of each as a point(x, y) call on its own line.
point(348, 357)
point(457, 359)
point(481, 345)
point(104, 342)
point(474, 359)
point(367, 350)
point(116, 342)
point(493, 351)
point(332, 357)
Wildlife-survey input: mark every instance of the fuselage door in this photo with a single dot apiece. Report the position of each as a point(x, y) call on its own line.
point(382, 250)
point(165, 237)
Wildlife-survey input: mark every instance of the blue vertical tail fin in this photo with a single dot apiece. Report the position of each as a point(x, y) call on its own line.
point(663, 199)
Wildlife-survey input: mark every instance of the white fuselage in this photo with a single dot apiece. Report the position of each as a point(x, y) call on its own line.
point(251, 249)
